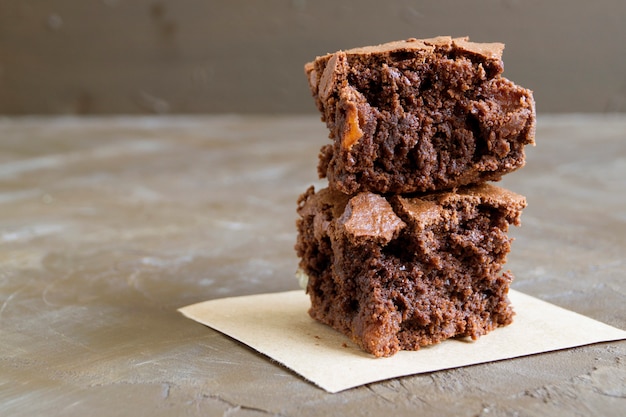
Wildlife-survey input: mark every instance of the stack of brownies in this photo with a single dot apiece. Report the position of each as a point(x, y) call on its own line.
point(406, 245)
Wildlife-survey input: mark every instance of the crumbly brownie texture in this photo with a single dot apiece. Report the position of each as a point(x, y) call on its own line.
point(419, 115)
point(400, 272)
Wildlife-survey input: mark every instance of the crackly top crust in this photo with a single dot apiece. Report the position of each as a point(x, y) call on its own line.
point(490, 51)
point(371, 217)
point(362, 217)
point(424, 210)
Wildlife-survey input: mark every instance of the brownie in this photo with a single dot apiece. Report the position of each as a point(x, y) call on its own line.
point(400, 272)
point(419, 115)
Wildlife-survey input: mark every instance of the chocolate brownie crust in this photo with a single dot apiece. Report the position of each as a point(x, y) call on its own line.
point(403, 272)
point(419, 115)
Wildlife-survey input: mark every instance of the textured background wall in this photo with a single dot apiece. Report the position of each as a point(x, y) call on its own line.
point(195, 56)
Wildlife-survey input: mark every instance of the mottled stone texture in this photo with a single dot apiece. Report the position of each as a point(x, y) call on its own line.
point(108, 225)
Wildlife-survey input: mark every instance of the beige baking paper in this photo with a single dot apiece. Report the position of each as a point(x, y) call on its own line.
point(278, 326)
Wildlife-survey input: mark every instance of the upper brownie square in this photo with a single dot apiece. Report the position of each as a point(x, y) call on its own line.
point(419, 115)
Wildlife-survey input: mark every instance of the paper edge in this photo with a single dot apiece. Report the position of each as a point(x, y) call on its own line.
point(620, 334)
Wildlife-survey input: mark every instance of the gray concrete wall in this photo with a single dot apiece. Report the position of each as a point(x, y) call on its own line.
point(195, 56)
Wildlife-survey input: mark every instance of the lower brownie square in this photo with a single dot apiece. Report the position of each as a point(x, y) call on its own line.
point(403, 272)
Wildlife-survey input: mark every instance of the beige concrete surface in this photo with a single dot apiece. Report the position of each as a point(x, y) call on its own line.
point(225, 56)
point(108, 225)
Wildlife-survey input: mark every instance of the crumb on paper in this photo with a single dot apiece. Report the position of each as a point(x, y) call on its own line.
point(302, 277)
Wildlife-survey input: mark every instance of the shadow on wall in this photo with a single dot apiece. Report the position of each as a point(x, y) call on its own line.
point(236, 56)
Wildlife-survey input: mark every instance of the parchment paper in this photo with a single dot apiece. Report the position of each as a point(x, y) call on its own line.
point(278, 326)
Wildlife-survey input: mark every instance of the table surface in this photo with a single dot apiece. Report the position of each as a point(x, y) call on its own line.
point(108, 225)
